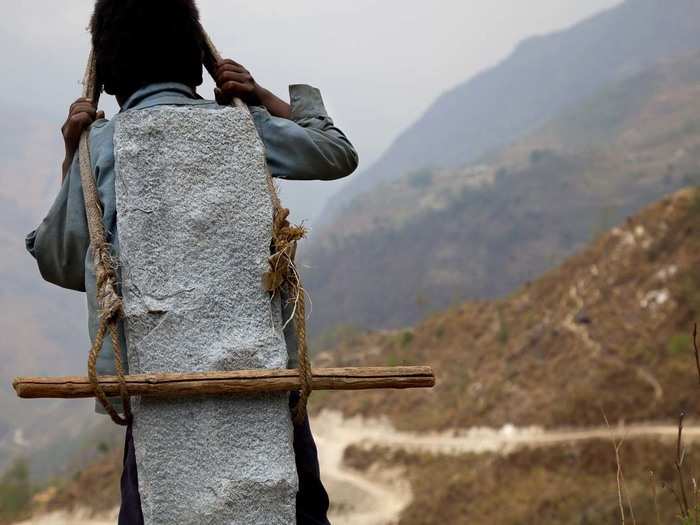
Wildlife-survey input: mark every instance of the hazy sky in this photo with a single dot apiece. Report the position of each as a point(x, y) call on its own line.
point(379, 63)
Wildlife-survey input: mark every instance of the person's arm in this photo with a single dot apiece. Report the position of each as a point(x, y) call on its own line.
point(300, 138)
point(60, 242)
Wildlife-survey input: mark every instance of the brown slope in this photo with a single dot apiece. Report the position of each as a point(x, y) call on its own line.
point(566, 484)
point(607, 330)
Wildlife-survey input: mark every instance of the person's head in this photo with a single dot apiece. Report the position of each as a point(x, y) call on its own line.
point(141, 42)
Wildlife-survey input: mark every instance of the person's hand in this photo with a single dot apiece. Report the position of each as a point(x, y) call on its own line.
point(235, 81)
point(82, 113)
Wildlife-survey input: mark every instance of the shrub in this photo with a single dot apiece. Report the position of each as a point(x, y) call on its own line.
point(503, 334)
point(680, 343)
point(15, 491)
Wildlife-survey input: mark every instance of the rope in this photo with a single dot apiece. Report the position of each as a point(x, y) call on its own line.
point(108, 300)
point(282, 266)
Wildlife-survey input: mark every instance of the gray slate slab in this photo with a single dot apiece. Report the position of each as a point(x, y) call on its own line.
point(194, 222)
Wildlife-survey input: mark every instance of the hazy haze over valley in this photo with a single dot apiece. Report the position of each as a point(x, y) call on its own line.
point(524, 221)
point(380, 66)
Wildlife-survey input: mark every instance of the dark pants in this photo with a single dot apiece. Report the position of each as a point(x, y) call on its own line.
point(312, 499)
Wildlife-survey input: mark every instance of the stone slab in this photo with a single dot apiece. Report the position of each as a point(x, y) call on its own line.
point(194, 225)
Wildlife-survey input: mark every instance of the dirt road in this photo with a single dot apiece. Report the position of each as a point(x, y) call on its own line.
point(79, 517)
point(378, 497)
point(375, 498)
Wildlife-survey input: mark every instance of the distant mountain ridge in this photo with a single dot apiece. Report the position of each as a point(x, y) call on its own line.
point(436, 237)
point(544, 75)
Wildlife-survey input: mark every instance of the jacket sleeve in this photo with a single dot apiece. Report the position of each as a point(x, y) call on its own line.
point(309, 146)
point(60, 243)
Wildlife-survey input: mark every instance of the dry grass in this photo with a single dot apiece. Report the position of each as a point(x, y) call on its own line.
point(591, 335)
point(561, 485)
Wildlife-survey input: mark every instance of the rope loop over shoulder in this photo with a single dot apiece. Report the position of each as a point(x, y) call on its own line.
point(283, 269)
point(108, 300)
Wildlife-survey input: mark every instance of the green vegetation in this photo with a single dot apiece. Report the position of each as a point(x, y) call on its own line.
point(503, 334)
point(695, 204)
point(679, 344)
point(690, 294)
point(538, 156)
point(393, 360)
point(440, 332)
point(421, 179)
point(334, 337)
point(15, 492)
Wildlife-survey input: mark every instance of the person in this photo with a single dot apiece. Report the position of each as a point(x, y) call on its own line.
point(150, 54)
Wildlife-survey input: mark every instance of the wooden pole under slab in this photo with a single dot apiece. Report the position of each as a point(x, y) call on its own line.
point(233, 382)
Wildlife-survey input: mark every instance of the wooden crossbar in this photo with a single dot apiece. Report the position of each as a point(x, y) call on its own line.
point(233, 382)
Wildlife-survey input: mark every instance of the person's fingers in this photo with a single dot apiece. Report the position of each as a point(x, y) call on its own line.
point(227, 61)
point(234, 77)
point(100, 115)
point(81, 120)
point(229, 66)
point(233, 87)
point(221, 98)
point(81, 100)
point(230, 70)
point(84, 108)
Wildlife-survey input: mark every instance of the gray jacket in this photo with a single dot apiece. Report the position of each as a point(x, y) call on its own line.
point(307, 147)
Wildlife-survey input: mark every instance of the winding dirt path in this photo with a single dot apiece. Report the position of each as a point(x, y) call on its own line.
point(597, 351)
point(377, 498)
point(357, 498)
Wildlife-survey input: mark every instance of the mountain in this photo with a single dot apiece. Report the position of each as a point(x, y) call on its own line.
point(44, 328)
point(606, 334)
point(543, 76)
point(607, 330)
point(435, 237)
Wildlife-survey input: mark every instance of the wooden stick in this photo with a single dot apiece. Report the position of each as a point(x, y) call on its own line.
point(234, 382)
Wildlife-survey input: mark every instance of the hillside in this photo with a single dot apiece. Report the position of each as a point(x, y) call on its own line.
point(543, 76)
point(44, 327)
point(564, 484)
point(608, 330)
point(433, 238)
point(605, 332)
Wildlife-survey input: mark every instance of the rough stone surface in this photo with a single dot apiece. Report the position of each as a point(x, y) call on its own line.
point(194, 222)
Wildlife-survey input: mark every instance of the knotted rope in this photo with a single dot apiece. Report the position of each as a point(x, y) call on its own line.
point(108, 301)
point(283, 272)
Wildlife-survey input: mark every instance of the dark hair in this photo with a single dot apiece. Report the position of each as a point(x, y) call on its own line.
point(140, 42)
